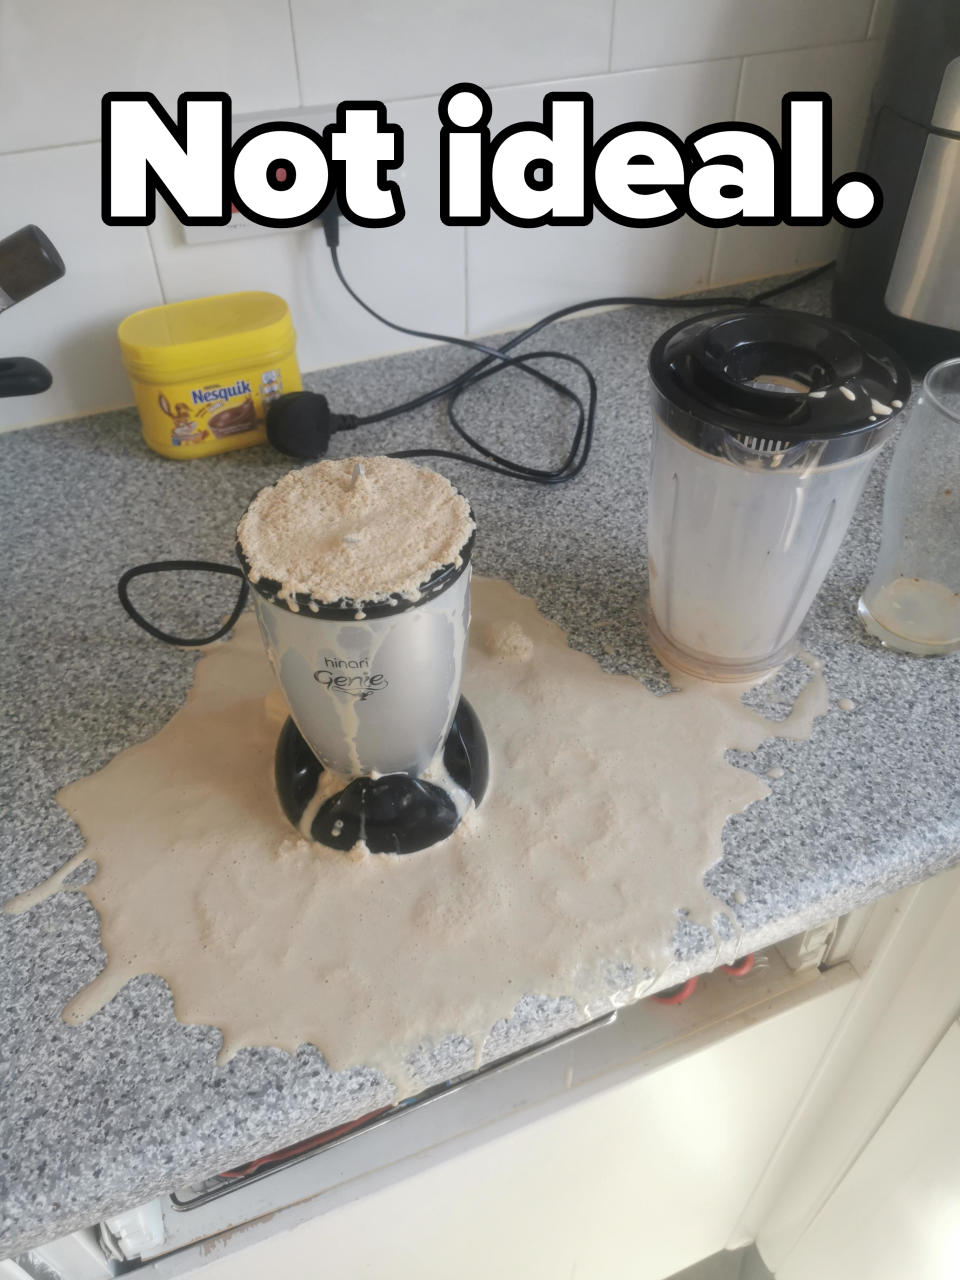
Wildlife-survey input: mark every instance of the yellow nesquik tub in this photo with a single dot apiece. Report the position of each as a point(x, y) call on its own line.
point(205, 371)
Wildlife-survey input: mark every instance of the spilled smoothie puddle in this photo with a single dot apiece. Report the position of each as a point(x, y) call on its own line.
point(606, 806)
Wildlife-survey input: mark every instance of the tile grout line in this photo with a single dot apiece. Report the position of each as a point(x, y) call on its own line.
point(431, 95)
point(737, 102)
point(52, 146)
point(871, 21)
point(156, 263)
point(613, 23)
point(738, 96)
point(296, 54)
point(714, 252)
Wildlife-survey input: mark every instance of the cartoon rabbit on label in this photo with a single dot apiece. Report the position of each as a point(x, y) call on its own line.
point(184, 429)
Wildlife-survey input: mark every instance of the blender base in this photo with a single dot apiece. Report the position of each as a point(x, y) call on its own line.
point(394, 813)
point(705, 667)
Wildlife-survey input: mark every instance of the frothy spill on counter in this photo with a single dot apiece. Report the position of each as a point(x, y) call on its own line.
point(605, 809)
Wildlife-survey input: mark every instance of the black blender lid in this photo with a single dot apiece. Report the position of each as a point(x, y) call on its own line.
point(763, 372)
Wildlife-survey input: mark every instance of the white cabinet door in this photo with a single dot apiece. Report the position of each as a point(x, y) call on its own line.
point(896, 1214)
point(634, 1182)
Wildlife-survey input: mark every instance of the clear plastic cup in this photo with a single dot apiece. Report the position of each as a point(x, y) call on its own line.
point(912, 602)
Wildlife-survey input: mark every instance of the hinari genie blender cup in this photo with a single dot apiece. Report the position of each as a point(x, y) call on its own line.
point(766, 425)
point(380, 747)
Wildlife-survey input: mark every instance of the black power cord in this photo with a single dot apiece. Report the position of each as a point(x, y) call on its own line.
point(174, 566)
point(301, 423)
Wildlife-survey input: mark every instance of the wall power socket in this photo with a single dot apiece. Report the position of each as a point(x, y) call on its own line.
point(241, 227)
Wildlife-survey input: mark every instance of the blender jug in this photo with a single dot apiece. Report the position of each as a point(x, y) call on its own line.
point(374, 694)
point(766, 425)
point(380, 748)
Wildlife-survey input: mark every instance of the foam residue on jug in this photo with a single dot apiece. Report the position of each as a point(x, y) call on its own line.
point(606, 807)
point(356, 529)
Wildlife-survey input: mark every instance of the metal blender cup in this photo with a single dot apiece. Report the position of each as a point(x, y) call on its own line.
point(380, 746)
point(766, 425)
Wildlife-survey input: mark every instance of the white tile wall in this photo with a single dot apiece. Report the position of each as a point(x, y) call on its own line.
point(651, 33)
point(413, 272)
point(680, 62)
point(405, 48)
point(847, 73)
point(515, 274)
point(71, 325)
point(58, 57)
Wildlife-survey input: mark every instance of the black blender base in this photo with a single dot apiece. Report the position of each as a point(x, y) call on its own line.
point(394, 813)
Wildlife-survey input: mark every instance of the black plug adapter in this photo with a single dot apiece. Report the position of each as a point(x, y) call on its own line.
point(301, 423)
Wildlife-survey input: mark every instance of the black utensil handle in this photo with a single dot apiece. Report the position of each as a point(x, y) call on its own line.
point(21, 376)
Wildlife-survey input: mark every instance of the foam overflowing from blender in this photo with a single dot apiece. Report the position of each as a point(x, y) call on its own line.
point(357, 529)
point(605, 809)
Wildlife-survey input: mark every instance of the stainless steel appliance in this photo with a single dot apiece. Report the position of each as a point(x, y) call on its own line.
point(899, 277)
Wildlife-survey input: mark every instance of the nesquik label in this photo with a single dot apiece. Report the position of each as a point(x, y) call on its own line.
point(218, 409)
point(209, 394)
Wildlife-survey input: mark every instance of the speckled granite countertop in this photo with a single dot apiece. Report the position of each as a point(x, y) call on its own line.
point(98, 1118)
